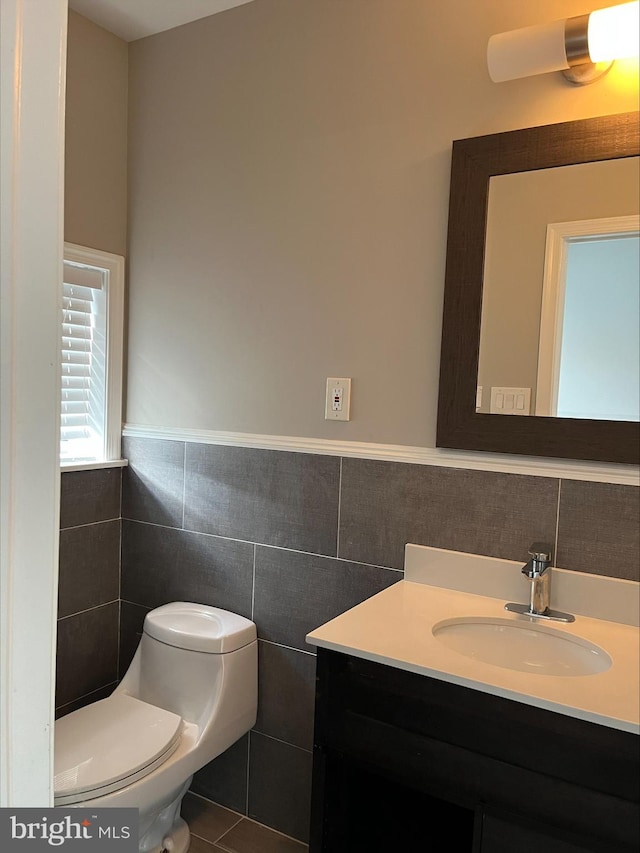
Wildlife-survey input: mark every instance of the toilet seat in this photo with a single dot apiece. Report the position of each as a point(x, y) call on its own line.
point(106, 746)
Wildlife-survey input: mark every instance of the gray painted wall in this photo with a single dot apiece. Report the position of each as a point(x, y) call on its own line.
point(288, 198)
point(95, 209)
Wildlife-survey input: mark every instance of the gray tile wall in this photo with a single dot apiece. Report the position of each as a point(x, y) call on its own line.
point(292, 539)
point(89, 587)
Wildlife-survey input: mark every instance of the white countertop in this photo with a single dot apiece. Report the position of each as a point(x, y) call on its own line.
point(394, 627)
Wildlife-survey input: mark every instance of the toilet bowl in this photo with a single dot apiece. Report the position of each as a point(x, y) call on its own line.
point(190, 692)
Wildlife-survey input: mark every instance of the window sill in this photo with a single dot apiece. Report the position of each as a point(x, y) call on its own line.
point(92, 466)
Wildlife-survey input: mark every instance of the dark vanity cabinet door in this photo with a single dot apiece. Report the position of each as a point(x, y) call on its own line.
point(403, 762)
point(502, 834)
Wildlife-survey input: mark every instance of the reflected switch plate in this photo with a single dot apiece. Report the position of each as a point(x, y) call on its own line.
point(510, 401)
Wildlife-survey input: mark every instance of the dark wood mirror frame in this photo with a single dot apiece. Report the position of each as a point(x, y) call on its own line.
point(474, 162)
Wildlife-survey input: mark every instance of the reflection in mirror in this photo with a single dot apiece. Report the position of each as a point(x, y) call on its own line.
point(560, 306)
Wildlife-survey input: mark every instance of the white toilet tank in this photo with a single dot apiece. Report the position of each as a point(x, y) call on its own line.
point(199, 662)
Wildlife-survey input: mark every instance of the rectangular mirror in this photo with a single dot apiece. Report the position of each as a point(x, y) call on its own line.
point(525, 207)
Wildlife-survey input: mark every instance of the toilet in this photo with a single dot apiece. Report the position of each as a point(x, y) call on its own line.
point(190, 692)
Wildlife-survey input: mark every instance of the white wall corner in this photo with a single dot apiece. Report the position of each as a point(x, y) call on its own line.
point(33, 65)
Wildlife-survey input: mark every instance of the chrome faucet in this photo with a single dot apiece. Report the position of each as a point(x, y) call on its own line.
point(538, 571)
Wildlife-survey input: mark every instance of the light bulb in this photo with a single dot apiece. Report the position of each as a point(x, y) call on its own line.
point(614, 33)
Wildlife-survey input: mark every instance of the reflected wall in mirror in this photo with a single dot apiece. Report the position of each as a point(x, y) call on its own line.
point(575, 352)
point(482, 174)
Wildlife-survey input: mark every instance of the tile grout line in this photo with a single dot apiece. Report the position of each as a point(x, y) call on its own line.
point(270, 829)
point(241, 818)
point(119, 584)
point(555, 544)
point(118, 637)
point(259, 639)
point(184, 481)
point(246, 800)
point(90, 523)
point(285, 646)
point(265, 545)
point(89, 609)
point(339, 511)
point(202, 797)
point(220, 837)
point(284, 742)
point(136, 603)
point(253, 601)
point(253, 587)
point(308, 749)
point(84, 695)
point(248, 820)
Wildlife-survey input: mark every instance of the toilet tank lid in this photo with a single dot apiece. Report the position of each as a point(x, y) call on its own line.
point(199, 627)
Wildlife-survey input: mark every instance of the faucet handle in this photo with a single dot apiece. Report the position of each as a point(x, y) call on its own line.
point(540, 552)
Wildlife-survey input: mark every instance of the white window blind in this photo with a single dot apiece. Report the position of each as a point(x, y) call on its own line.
point(91, 366)
point(84, 362)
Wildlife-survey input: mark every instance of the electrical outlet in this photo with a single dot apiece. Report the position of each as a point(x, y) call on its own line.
point(337, 399)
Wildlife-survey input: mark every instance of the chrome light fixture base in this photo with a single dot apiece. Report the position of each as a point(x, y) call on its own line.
point(587, 72)
point(581, 69)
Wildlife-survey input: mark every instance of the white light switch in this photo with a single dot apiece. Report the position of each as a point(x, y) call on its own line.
point(510, 401)
point(338, 399)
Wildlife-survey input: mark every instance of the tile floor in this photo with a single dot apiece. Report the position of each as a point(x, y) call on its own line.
point(215, 829)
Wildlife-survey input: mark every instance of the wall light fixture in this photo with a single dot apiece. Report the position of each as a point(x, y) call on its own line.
point(583, 48)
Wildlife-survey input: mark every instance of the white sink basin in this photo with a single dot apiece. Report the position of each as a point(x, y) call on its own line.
point(523, 647)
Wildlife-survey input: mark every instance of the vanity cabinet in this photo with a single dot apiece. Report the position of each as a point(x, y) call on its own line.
point(405, 762)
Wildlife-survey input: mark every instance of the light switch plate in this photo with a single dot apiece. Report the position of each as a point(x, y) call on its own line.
point(510, 401)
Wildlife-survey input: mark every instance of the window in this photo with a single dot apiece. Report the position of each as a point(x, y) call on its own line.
point(92, 340)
